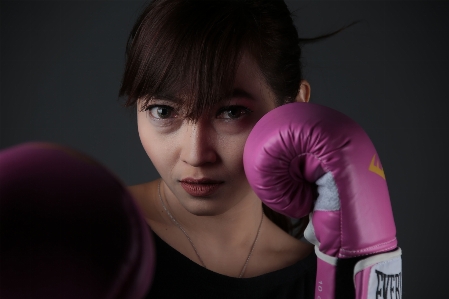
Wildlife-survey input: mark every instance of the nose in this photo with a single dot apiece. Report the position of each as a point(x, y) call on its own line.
point(198, 148)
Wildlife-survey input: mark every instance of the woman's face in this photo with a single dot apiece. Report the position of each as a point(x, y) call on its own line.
point(201, 163)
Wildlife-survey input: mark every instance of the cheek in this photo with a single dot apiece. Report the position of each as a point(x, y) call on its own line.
point(231, 151)
point(153, 145)
point(145, 134)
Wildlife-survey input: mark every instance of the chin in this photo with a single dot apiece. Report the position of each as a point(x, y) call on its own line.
point(205, 207)
point(205, 213)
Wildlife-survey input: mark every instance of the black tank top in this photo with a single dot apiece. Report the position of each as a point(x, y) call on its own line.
point(176, 276)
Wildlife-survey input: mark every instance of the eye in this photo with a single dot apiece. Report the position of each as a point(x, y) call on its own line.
point(233, 112)
point(161, 111)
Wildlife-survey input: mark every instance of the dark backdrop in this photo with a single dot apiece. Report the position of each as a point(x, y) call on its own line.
point(61, 66)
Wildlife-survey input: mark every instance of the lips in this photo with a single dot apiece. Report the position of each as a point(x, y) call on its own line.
point(200, 187)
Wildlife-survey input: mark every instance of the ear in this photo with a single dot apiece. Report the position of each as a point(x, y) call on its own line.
point(304, 92)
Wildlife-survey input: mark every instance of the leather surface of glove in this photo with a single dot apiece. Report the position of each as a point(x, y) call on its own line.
point(69, 228)
point(303, 158)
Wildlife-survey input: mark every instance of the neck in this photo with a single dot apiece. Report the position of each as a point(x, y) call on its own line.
point(232, 227)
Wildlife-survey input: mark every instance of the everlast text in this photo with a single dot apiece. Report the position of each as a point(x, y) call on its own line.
point(389, 286)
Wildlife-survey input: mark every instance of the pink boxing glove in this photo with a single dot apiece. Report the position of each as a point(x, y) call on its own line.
point(304, 158)
point(69, 228)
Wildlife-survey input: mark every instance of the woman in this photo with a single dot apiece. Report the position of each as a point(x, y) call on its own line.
point(201, 74)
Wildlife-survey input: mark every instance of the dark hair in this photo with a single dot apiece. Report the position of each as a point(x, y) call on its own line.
point(194, 47)
point(190, 50)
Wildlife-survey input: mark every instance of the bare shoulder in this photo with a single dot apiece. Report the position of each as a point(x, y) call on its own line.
point(145, 195)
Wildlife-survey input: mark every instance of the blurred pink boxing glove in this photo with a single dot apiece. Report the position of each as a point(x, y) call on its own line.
point(305, 158)
point(69, 228)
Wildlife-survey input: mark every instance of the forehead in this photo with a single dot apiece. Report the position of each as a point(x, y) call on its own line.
point(249, 78)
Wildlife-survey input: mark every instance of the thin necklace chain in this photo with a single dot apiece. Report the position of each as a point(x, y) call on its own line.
point(178, 225)
point(193, 245)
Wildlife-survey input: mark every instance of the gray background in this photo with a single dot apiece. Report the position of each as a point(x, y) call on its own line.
point(62, 61)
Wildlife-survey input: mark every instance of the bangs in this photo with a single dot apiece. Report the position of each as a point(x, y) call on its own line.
point(188, 50)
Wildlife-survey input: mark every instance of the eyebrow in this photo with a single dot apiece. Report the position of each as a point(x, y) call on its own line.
point(242, 93)
point(166, 97)
point(238, 92)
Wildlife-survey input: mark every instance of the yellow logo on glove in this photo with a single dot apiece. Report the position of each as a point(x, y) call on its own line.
point(375, 167)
